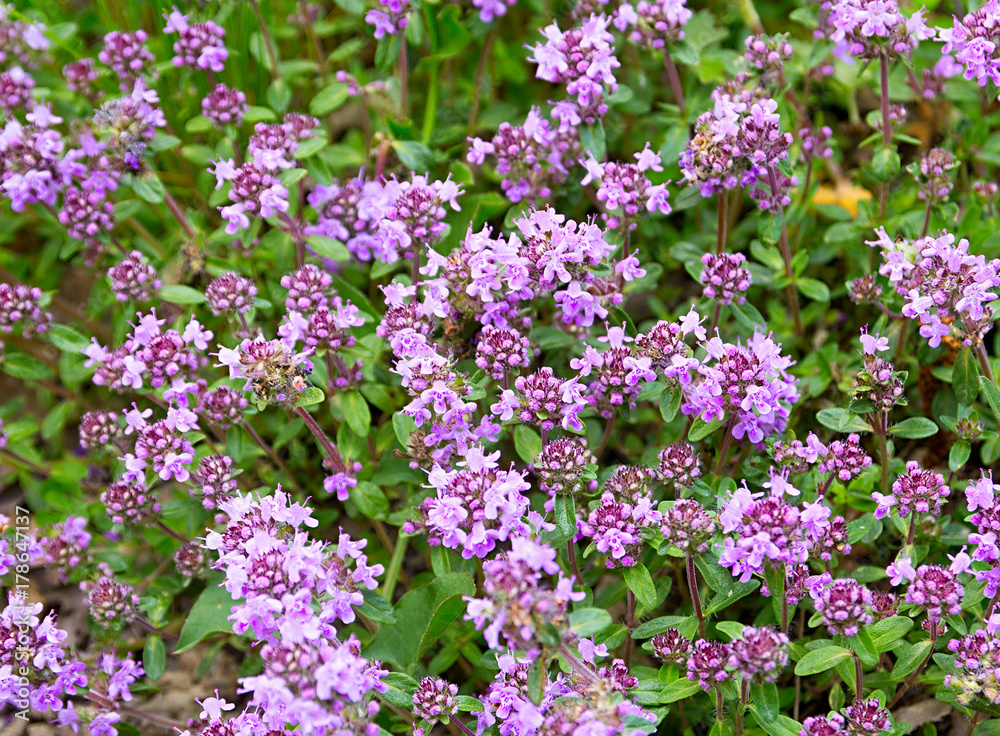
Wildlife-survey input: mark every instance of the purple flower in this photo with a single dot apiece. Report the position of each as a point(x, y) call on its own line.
point(867, 28)
point(128, 57)
point(725, 278)
point(581, 58)
point(653, 23)
point(844, 605)
point(748, 384)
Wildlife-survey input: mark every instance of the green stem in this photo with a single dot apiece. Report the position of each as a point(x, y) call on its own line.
point(395, 565)
point(430, 108)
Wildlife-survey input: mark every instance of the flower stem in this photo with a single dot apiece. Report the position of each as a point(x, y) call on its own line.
point(629, 625)
point(484, 57)
point(786, 253)
point(395, 565)
point(403, 75)
point(608, 428)
point(106, 702)
point(724, 447)
point(720, 240)
point(176, 535)
point(927, 219)
point(178, 213)
point(332, 453)
point(33, 467)
point(859, 678)
point(268, 41)
point(675, 79)
point(692, 581)
point(883, 192)
point(271, 454)
point(578, 666)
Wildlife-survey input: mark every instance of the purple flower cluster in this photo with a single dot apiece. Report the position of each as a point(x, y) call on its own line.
point(475, 506)
point(725, 278)
point(974, 43)
point(533, 157)
point(653, 23)
point(200, 45)
point(224, 106)
point(583, 59)
point(626, 191)
point(736, 143)
point(20, 307)
point(866, 29)
point(626, 508)
point(915, 491)
point(128, 57)
point(747, 385)
point(390, 21)
point(350, 212)
point(519, 603)
point(949, 290)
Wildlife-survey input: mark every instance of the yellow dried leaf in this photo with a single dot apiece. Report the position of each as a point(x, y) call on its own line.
point(844, 194)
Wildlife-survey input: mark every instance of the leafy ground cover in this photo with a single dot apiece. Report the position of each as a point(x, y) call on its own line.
point(508, 368)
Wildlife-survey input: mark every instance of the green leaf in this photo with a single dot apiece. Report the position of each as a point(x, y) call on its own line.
point(885, 164)
point(565, 515)
point(66, 338)
point(965, 377)
point(588, 622)
point(527, 442)
point(658, 625)
point(864, 647)
point(209, 615)
point(198, 124)
point(777, 726)
point(414, 155)
point(670, 402)
point(148, 189)
point(376, 608)
point(888, 632)
point(356, 412)
point(908, 662)
point(821, 660)
point(400, 688)
point(958, 456)
point(180, 294)
point(329, 99)
point(992, 395)
point(679, 690)
point(700, 429)
point(640, 582)
point(279, 95)
point(328, 248)
point(765, 700)
point(841, 420)
point(814, 289)
point(25, 367)
point(154, 657)
point(423, 614)
point(403, 425)
point(914, 428)
point(593, 140)
point(310, 396)
point(370, 500)
point(987, 728)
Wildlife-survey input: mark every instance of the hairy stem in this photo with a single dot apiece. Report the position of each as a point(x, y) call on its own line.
point(675, 79)
point(720, 238)
point(786, 253)
point(883, 192)
point(692, 580)
point(629, 625)
point(271, 454)
point(484, 57)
